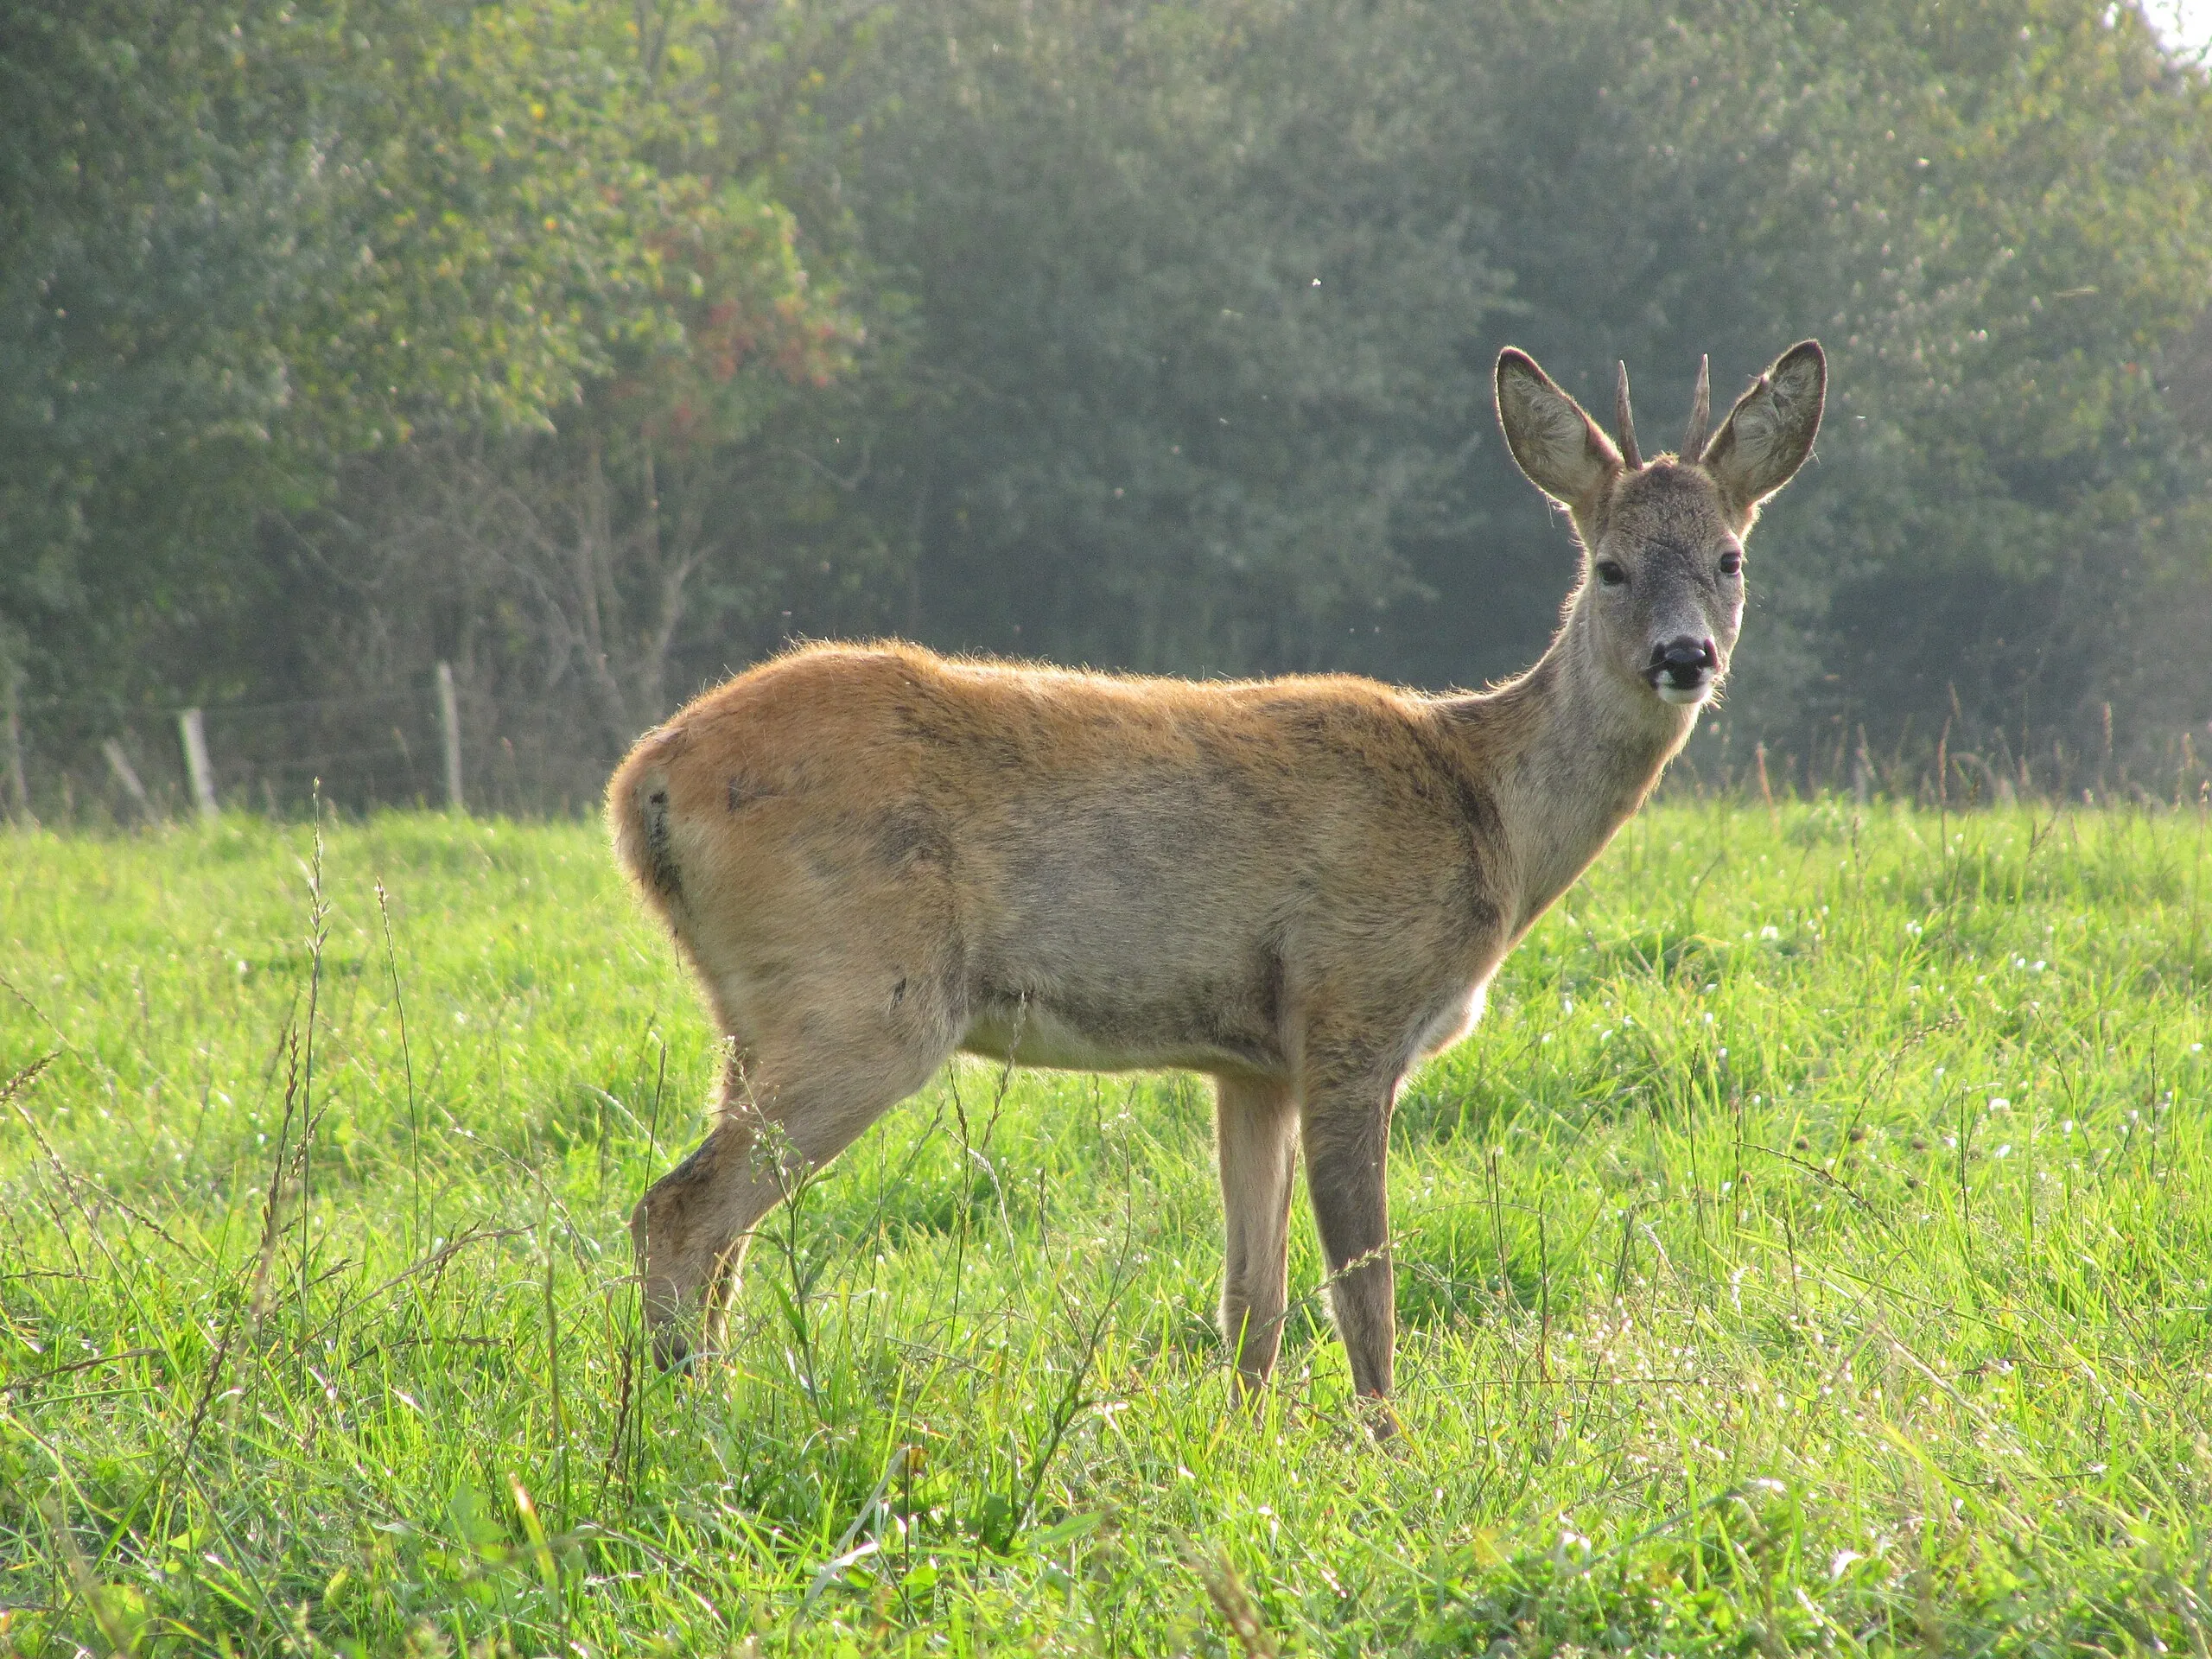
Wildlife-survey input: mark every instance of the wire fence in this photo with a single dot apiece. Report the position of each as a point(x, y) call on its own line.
point(437, 744)
point(444, 743)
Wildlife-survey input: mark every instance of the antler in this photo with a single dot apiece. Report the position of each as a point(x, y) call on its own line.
point(1701, 411)
point(1625, 420)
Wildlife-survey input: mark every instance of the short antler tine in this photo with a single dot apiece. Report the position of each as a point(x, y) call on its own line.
point(1701, 411)
point(1626, 420)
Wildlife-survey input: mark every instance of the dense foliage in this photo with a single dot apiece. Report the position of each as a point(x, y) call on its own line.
point(598, 347)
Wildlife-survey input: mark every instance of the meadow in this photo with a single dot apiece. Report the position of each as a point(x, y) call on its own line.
point(1809, 1252)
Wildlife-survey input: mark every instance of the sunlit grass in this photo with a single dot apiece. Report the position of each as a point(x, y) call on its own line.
point(1810, 1250)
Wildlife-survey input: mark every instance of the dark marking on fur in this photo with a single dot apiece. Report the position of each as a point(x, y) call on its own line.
point(954, 730)
point(744, 790)
point(1480, 821)
point(660, 853)
point(1478, 809)
point(1274, 977)
point(1484, 920)
point(908, 835)
point(899, 993)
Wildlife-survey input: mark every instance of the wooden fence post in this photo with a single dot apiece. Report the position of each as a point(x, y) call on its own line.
point(19, 792)
point(449, 719)
point(119, 764)
point(194, 726)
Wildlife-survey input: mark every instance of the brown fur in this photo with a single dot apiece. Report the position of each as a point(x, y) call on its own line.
point(874, 857)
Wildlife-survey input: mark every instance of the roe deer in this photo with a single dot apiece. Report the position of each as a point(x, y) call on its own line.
point(874, 857)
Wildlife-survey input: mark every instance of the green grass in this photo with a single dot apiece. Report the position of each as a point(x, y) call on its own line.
point(1810, 1252)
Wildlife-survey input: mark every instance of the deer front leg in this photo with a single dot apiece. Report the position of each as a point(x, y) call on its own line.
point(1347, 1133)
point(1257, 1123)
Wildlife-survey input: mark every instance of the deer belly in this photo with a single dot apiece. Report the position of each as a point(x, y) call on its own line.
point(1116, 1039)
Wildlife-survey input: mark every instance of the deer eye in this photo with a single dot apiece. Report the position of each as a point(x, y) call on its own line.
point(1730, 562)
point(1611, 574)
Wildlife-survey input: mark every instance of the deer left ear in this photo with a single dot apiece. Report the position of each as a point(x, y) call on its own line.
point(1768, 434)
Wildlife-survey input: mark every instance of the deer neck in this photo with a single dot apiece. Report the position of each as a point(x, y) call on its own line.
point(1571, 750)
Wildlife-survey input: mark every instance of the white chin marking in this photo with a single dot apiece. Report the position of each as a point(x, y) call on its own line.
point(1684, 696)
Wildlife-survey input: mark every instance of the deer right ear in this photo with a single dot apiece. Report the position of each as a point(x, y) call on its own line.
point(1768, 434)
point(1555, 443)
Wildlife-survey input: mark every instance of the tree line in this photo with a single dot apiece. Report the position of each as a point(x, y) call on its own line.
point(599, 346)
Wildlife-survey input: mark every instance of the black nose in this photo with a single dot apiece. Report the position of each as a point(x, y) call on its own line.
point(1684, 663)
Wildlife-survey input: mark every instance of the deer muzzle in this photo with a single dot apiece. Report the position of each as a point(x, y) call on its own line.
point(1683, 669)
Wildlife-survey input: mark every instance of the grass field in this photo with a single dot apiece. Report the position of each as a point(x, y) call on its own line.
point(1809, 1252)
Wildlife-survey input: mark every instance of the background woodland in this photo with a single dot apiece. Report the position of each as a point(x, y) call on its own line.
point(600, 346)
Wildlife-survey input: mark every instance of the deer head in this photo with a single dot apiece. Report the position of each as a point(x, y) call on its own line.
point(1662, 595)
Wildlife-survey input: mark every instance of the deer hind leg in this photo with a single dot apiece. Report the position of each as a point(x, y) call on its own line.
point(786, 1107)
point(1255, 1122)
point(1346, 1126)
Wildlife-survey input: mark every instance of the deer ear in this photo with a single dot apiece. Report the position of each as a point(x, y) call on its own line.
point(1559, 447)
point(1768, 434)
